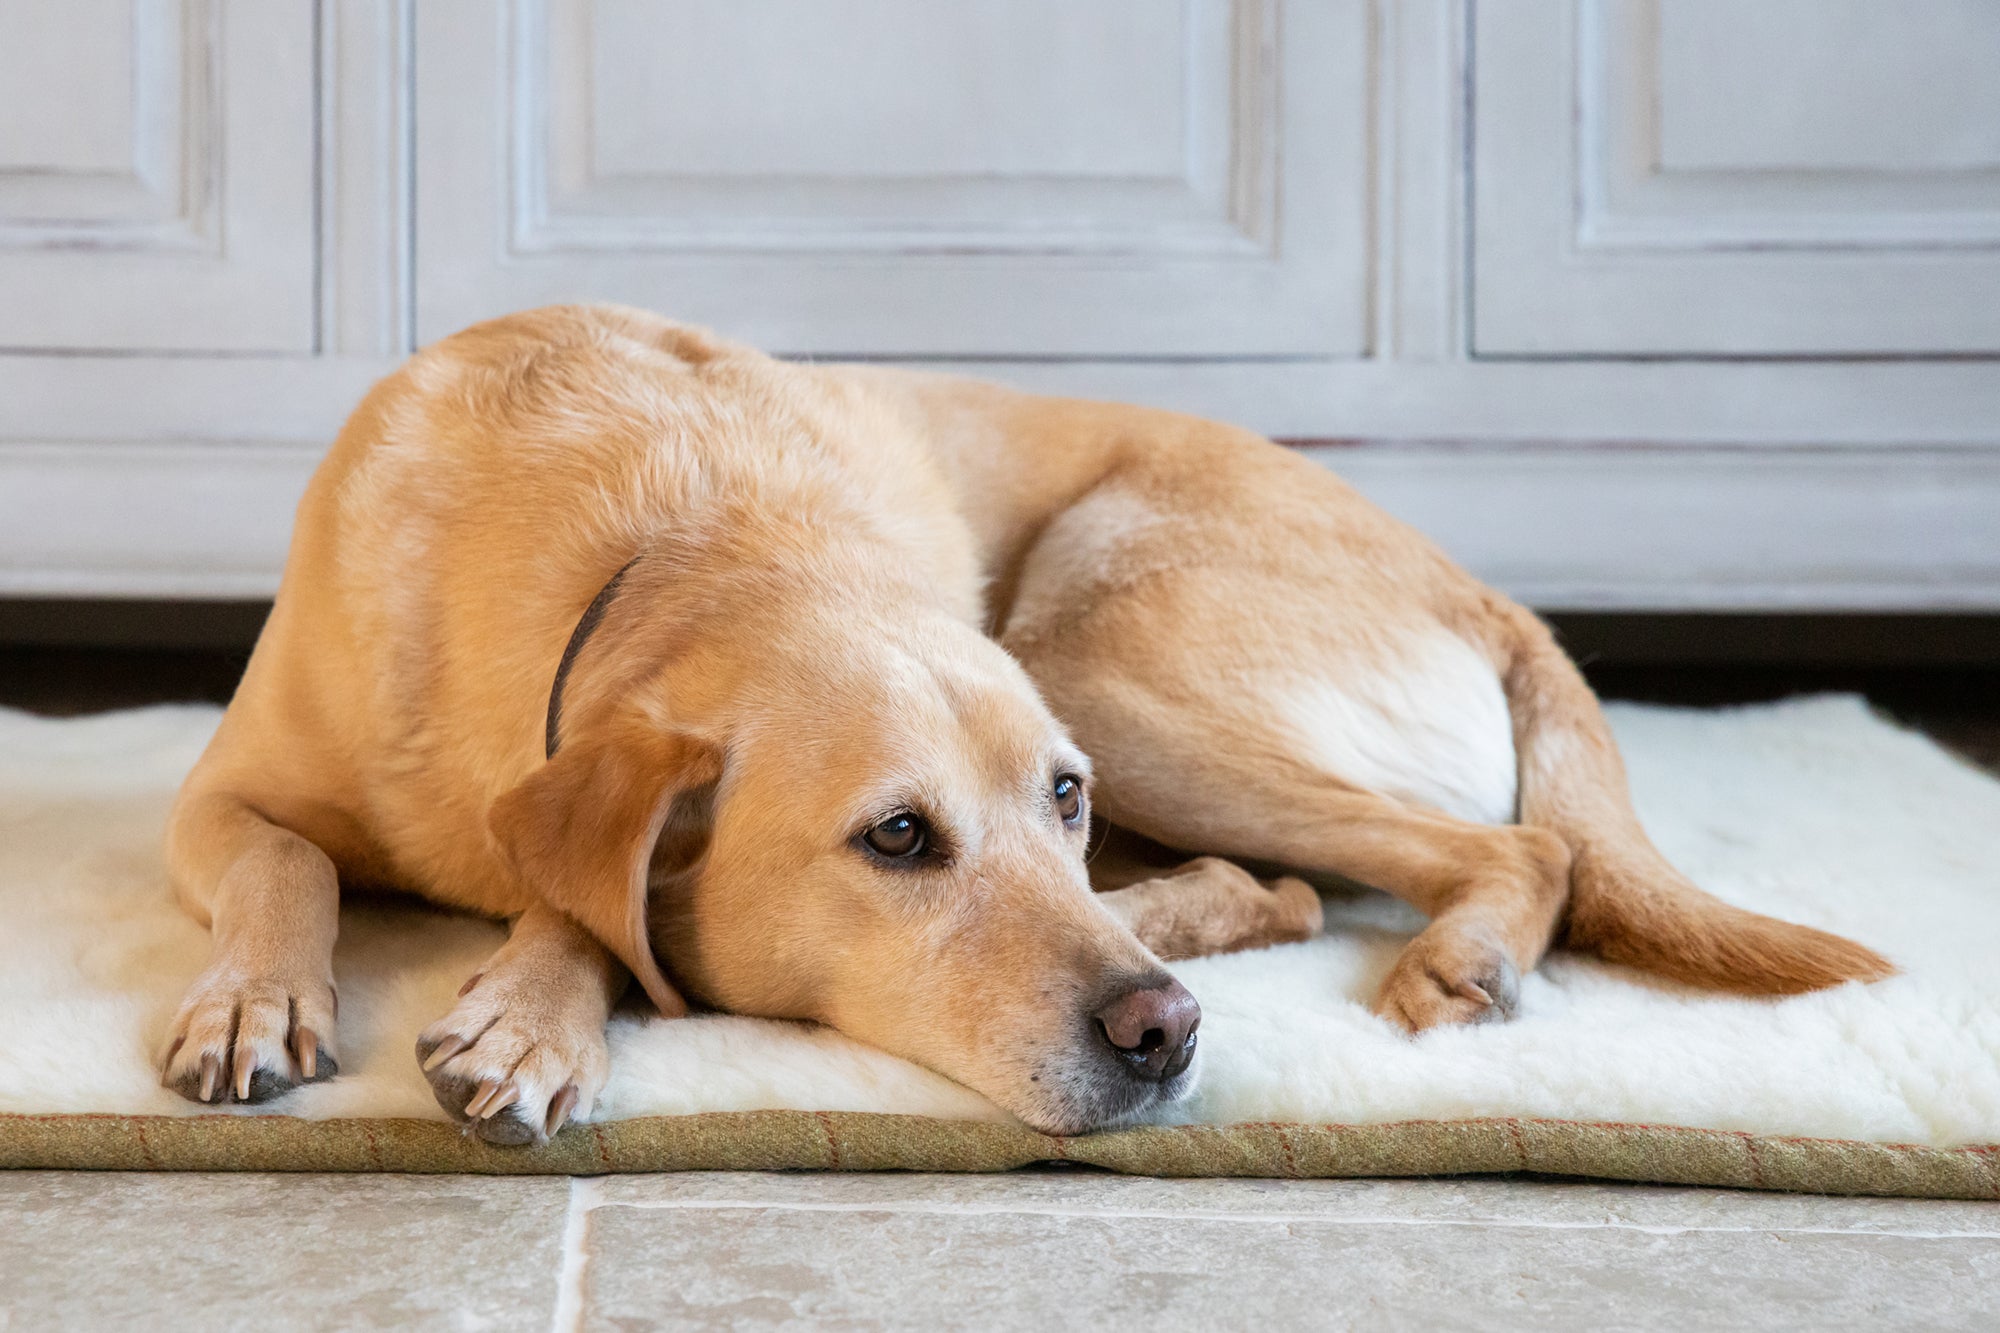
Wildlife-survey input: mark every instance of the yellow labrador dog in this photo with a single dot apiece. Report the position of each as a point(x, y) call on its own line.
point(792, 690)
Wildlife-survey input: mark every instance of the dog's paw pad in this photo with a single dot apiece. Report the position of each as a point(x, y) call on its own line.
point(510, 1128)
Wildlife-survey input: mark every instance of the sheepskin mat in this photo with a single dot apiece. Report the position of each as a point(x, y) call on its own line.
point(1816, 810)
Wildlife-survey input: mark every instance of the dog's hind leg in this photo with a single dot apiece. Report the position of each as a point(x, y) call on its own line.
point(1210, 906)
point(1378, 716)
point(260, 1019)
point(524, 1049)
point(1230, 709)
point(1494, 893)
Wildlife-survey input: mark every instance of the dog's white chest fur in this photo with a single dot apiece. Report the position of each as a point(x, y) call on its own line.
point(1427, 724)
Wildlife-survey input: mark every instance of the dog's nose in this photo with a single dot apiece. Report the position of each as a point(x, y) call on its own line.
point(1151, 1029)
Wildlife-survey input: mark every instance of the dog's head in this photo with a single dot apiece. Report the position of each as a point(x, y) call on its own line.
point(882, 831)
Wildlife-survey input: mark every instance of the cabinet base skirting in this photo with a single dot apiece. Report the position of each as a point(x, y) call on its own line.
point(1621, 527)
point(1578, 526)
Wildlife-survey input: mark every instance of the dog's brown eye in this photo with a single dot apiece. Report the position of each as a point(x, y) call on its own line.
point(898, 836)
point(1069, 797)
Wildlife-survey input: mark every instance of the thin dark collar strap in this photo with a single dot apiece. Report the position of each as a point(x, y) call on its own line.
point(586, 625)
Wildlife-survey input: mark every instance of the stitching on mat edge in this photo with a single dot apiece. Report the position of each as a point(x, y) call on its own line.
point(832, 1140)
point(1284, 1142)
point(1749, 1141)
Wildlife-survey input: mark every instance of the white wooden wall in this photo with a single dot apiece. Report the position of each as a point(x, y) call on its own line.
point(1631, 303)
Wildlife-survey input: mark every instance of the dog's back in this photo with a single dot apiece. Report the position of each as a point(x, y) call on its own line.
point(474, 501)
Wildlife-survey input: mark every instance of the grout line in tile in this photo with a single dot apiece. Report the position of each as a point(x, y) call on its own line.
point(1269, 1218)
point(585, 1195)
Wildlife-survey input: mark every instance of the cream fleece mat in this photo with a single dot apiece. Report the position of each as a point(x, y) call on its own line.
point(1816, 810)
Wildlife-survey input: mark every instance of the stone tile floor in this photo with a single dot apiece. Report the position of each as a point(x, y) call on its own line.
point(1044, 1249)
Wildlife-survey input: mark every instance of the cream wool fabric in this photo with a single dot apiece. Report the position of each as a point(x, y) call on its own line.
point(1816, 810)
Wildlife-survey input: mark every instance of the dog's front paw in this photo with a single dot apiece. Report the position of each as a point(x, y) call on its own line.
point(511, 1065)
point(246, 1038)
point(1445, 976)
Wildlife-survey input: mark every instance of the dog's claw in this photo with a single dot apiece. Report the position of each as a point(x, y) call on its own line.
point(476, 1108)
point(305, 1049)
point(506, 1097)
point(211, 1074)
point(559, 1108)
point(477, 1102)
point(447, 1048)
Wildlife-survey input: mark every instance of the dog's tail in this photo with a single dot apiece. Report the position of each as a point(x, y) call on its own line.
point(1626, 903)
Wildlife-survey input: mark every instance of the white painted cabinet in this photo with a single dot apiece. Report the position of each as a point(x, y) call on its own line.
point(1719, 178)
point(885, 177)
point(156, 176)
point(1632, 303)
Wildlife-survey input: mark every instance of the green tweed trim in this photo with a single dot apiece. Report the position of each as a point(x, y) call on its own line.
point(856, 1141)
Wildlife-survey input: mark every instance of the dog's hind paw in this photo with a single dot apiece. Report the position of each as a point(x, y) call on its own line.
point(1446, 977)
point(239, 1038)
point(511, 1070)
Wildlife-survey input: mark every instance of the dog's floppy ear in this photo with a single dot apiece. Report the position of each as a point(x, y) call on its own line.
point(579, 831)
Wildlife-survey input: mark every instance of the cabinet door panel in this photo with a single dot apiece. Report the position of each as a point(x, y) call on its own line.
point(1705, 177)
point(903, 177)
point(156, 175)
